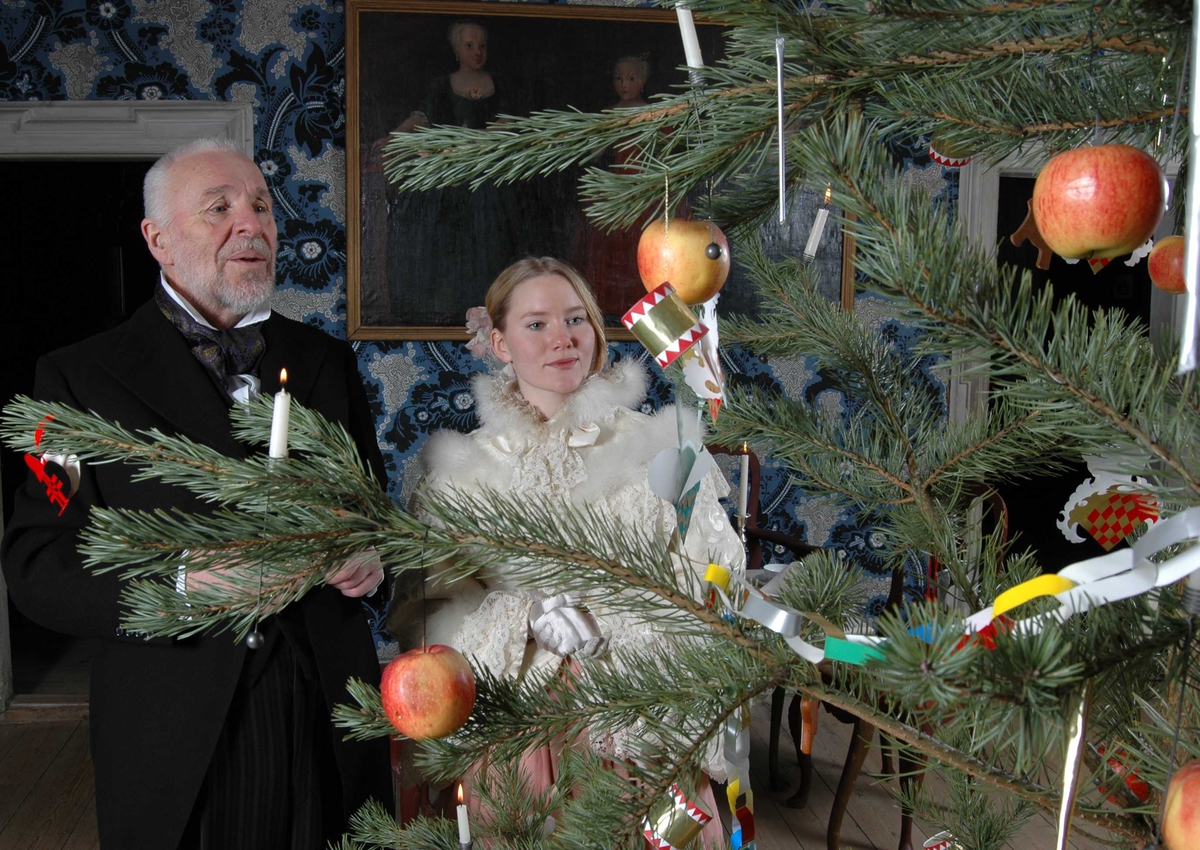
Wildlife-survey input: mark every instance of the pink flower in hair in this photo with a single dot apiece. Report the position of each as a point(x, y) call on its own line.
point(480, 324)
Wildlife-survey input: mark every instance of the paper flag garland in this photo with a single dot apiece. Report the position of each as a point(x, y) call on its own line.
point(702, 363)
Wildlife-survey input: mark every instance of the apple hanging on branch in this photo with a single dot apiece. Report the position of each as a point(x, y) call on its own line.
point(1099, 202)
point(1166, 265)
point(1181, 818)
point(693, 256)
point(428, 692)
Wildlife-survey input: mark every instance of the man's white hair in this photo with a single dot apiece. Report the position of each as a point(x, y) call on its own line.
point(154, 187)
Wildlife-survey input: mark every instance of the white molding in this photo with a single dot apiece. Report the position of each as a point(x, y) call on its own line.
point(113, 129)
point(978, 196)
point(979, 191)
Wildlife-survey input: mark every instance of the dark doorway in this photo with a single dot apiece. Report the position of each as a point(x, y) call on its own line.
point(77, 266)
point(1034, 505)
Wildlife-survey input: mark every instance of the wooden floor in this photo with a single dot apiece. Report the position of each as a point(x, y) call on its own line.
point(47, 800)
point(46, 796)
point(873, 819)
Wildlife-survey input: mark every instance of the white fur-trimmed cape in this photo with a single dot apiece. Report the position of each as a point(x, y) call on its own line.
point(627, 441)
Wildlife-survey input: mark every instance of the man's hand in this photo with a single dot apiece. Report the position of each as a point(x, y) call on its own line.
point(360, 575)
point(214, 579)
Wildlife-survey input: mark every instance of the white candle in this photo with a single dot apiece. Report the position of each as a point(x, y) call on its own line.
point(814, 238)
point(464, 828)
point(1191, 227)
point(782, 143)
point(744, 485)
point(279, 419)
point(691, 44)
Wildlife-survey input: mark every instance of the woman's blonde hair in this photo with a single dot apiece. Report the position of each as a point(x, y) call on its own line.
point(499, 295)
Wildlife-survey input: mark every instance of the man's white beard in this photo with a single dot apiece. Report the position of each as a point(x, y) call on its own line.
point(239, 297)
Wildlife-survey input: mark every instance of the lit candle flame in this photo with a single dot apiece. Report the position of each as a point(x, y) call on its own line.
point(283, 377)
point(745, 448)
point(460, 794)
point(828, 192)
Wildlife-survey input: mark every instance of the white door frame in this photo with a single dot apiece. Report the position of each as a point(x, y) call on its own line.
point(107, 130)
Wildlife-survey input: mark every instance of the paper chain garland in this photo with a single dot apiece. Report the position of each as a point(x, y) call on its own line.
point(737, 766)
point(1078, 588)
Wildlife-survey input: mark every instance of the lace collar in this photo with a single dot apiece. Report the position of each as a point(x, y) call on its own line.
point(503, 410)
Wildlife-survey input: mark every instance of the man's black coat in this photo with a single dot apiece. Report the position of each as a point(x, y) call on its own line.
point(157, 707)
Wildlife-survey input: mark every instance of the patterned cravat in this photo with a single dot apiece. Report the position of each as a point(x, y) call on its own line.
point(235, 351)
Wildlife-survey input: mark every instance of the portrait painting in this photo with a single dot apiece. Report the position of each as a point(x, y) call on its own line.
point(418, 260)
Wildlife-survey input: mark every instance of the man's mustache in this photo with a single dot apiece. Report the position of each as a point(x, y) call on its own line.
point(256, 246)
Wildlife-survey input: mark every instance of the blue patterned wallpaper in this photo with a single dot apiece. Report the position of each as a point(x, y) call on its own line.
point(287, 59)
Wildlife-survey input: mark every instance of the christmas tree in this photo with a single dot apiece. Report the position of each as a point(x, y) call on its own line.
point(1009, 704)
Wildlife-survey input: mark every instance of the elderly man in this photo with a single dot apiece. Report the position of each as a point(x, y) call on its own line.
point(200, 742)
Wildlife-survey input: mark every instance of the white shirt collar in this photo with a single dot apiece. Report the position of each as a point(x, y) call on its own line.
point(259, 315)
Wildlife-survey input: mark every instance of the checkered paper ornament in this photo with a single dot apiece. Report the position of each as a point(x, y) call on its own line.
point(1112, 516)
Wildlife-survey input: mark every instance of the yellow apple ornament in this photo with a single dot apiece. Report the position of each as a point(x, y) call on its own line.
point(693, 256)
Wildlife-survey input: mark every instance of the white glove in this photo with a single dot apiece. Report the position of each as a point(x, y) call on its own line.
point(559, 626)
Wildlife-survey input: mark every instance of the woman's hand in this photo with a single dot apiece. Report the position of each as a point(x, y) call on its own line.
point(559, 626)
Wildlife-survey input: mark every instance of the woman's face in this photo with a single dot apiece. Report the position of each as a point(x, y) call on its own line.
point(628, 80)
point(548, 341)
point(471, 48)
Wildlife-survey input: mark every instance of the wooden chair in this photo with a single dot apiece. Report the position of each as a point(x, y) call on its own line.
point(803, 724)
point(803, 713)
point(756, 535)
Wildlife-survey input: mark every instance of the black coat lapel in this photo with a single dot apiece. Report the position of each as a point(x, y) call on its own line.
point(303, 362)
point(154, 361)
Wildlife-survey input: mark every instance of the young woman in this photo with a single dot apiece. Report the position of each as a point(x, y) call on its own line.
point(556, 425)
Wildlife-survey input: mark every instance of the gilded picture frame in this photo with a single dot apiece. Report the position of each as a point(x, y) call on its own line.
point(417, 261)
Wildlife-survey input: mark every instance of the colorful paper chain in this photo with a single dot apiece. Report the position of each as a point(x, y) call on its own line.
point(1088, 584)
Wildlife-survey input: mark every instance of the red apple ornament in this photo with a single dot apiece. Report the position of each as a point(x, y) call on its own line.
point(1166, 265)
point(681, 253)
point(428, 693)
point(1181, 819)
point(1099, 202)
